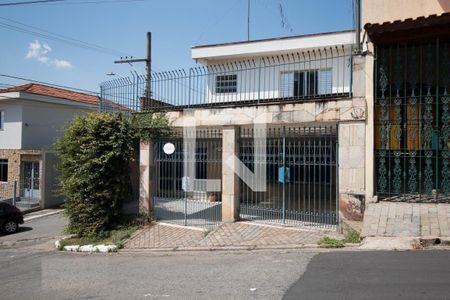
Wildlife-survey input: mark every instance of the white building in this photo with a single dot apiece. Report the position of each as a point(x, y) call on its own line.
point(32, 116)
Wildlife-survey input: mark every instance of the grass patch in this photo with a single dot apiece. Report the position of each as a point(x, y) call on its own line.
point(327, 242)
point(117, 235)
point(352, 237)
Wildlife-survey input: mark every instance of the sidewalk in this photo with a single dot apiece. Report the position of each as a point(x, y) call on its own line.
point(238, 235)
point(420, 220)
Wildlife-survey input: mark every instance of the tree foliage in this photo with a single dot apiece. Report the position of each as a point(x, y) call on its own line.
point(95, 152)
point(150, 125)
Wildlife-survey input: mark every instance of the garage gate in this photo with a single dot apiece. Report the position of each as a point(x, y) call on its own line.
point(301, 180)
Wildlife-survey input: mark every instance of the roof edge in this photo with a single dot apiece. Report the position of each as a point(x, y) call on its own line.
point(274, 39)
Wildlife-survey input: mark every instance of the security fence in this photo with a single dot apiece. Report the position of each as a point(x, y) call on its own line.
point(173, 201)
point(302, 76)
point(412, 119)
point(302, 176)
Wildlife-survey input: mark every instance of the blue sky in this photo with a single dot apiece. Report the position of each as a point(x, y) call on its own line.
point(176, 26)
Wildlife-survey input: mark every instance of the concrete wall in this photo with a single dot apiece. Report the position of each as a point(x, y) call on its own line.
point(50, 194)
point(348, 109)
point(11, 134)
point(43, 123)
point(380, 11)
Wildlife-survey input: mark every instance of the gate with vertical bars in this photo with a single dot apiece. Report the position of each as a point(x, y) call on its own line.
point(302, 176)
point(172, 202)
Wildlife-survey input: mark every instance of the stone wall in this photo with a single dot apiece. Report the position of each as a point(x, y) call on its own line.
point(352, 170)
point(15, 157)
point(333, 110)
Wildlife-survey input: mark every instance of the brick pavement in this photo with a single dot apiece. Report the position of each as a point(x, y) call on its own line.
point(395, 219)
point(237, 234)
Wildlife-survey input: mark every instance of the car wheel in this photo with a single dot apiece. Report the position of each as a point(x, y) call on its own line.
point(10, 227)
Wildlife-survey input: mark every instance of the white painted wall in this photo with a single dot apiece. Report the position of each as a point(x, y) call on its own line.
point(11, 134)
point(43, 123)
point(262, 83)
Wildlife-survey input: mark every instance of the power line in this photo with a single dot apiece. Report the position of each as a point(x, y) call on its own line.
point(60, 38)
point(28, 2)
point(88, 44)
point(39, 32)
point(48, 83)
point(92, 2)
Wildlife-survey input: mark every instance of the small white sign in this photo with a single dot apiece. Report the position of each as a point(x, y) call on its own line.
point(169, 148)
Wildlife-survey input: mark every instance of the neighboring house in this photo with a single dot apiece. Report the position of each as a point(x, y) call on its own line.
point(407, 92)
point(32, 117)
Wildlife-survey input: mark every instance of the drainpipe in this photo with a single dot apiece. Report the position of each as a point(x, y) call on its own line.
point(358, 26)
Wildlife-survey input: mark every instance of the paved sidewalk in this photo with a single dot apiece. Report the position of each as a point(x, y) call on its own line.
point(394, 219)
point(239, 235)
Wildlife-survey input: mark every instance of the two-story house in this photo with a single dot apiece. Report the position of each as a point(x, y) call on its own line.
point(304, 90)
point(32, 116)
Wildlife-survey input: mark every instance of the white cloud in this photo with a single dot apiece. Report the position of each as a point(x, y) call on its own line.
point(61, 64)
point(39, 51)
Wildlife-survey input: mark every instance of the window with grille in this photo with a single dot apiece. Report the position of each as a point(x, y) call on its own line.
point(306, 83)
point(226, 84)
point(3, 170)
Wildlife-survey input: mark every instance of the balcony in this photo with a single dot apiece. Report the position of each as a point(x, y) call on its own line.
point(312, 75)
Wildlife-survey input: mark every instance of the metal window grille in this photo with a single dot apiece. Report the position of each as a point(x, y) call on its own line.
point(412, 118)
point(226, 84)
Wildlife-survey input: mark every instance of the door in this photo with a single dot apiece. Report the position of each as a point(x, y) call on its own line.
point(30, 181)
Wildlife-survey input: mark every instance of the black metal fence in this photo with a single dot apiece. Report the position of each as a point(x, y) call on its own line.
point(172, 200)
point(322, 73)
point(302, 176)
point(412, 119)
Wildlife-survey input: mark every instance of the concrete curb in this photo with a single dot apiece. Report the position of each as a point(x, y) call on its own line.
point(30, 218)
point(220, 249)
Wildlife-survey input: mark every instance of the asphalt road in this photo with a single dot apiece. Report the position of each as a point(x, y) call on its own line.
point(206, 275)
point(35, 233)
point(31, 269)
point(375, 275)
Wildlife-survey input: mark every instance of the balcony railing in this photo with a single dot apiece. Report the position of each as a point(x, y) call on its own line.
point(304, 76)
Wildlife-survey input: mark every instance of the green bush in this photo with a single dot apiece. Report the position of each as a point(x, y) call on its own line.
point(95, 152)
point(352, 237)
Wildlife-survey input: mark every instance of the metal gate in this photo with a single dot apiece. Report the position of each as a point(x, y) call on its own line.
point(412, 119)
point(30, 193)
point(301, 180)
point(172, 202)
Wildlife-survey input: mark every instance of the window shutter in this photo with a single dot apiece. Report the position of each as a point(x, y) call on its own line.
point(325, 81)
point(287, 85)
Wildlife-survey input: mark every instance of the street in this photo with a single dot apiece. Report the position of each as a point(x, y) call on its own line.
point(31, 269)
point(375, 275)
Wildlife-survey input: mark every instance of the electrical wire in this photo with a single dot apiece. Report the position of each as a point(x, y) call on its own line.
point(28, 2)
point(47, 83)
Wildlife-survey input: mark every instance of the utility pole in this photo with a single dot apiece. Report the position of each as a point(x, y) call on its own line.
point(148, 64)
point(248, 20)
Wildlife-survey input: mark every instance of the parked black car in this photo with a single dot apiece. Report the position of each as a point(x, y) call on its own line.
point(10, 217)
